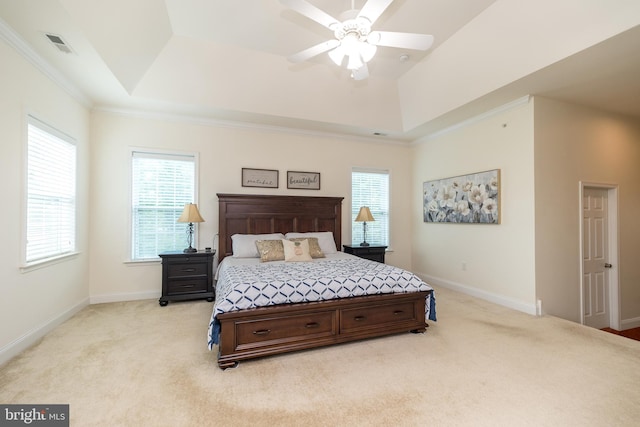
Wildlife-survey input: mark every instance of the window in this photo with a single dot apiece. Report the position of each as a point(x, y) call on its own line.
point(162, 183)
point(370, 188)
point(51, 193)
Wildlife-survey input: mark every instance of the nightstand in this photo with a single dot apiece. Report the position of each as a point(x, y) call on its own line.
point(373, 252)
point(187, 276)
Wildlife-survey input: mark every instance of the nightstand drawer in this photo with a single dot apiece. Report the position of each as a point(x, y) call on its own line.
point(178, 270)
point(187, 286)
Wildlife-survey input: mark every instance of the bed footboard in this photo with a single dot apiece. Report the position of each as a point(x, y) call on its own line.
point(266, 331)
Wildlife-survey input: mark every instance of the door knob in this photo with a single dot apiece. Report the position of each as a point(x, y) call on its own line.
point(607, 265)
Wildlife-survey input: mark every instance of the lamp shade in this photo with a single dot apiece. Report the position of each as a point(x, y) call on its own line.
point(190, 214)
point(364, 215)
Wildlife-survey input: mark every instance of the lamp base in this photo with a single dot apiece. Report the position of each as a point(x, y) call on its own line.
point(364, 244)
point(190, 250)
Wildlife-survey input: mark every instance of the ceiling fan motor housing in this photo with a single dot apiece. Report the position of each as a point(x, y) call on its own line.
point(359, 27)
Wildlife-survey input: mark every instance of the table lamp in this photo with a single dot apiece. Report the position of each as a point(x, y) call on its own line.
point(363, 216)
point(190, 214)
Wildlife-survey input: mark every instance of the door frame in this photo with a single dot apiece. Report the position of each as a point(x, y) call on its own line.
point(612, 256)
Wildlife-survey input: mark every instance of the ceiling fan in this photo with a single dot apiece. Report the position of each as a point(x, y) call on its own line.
point(354, 39)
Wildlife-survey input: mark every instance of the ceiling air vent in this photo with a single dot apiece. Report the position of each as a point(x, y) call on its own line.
point(58, 42)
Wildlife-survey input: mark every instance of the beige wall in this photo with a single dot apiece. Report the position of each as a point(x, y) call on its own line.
point(223, 151)
point(574, 144)
point(33, 302)
point(499, 259)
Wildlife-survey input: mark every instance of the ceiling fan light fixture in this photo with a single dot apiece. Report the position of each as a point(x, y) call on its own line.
point(373, 38)
point(367, 51)
point(358, 51)
point(361, 73)
point(355, 61)
point(337, 55)
point(350, 44)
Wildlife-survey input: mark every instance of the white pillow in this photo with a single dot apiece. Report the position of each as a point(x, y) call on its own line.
point(244, 245)
point(296, 251)
point(325, 240)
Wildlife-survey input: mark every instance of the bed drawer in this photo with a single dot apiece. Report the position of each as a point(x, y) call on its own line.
point(279, 330)
point(376, 315)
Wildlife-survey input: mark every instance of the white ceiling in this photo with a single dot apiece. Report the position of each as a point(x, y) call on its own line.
point(125, 52)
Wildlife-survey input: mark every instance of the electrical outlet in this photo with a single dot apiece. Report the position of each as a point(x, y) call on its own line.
point(463, 266)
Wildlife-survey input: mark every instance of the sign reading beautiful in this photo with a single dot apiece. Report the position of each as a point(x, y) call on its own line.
point(303, 180)
point(470, 198)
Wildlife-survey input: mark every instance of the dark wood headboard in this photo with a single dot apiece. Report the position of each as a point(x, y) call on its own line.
point(260, 214)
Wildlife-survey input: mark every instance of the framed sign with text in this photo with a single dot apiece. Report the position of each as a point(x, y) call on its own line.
point(303, 180)
point(265, 178)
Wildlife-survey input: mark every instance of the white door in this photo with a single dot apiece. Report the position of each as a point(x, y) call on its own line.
point(595, 293)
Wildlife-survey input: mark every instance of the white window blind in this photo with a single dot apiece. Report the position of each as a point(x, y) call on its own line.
point(51, 193)
point(161, 185)
point(370, 188)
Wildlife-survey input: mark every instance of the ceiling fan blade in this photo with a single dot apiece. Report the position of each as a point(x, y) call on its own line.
point(310, 11)
point(313, 51)
point(361, 73)
point(401, 40)
point(373, 9)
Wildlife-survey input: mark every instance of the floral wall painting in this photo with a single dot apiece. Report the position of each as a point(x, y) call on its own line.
point(471, 199)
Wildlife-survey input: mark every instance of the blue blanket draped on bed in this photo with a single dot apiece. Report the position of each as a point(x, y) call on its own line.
point(257, 285)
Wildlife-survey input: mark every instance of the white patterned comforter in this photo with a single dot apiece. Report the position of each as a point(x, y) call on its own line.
point(247, 283)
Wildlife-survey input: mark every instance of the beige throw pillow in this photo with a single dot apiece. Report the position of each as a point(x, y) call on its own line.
point(325, 240)
point(244, 245)
point(270, 250)
point(296, 251)
point(314, 246)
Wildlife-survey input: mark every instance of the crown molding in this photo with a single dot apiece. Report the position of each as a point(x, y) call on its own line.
point(233, 124)
point(11, 38)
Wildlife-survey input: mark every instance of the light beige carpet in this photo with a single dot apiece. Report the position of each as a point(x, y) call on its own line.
point(139, 364)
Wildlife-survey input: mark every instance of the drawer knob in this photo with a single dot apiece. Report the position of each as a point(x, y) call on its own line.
point(188, 270)
point(312, 325)
point(262, 332)
point(188, 286)
point(397, 312)
point(359, 318)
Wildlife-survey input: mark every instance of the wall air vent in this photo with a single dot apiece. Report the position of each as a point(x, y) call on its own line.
point(58, 42)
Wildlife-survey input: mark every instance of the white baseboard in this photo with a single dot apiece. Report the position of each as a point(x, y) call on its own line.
point(133, 296)
point(479, 293)
point(16, 347)
point(630, 323)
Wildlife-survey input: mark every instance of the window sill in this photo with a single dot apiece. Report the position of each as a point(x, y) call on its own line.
point(36, 265)
point(141, 262)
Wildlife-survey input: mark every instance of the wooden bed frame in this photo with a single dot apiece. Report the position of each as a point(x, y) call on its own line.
point(258, 332)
